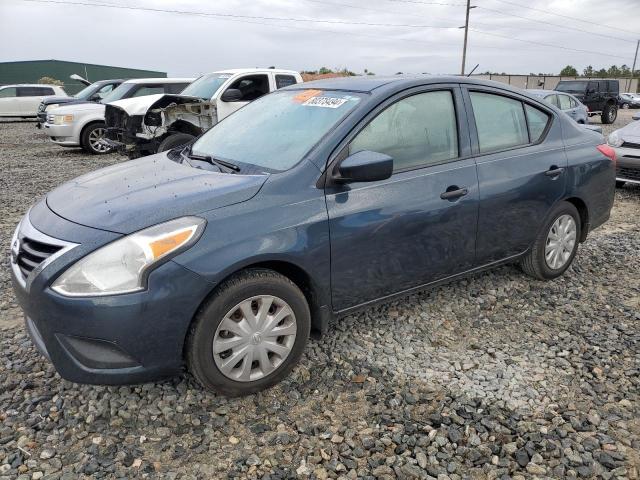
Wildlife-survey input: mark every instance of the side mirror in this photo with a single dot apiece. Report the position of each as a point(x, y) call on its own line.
point(231, 95)
point(365, 166)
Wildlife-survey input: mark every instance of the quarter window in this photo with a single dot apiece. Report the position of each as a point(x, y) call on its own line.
point(499, 121)
point(285, 80)
point(537, 120)
point(416, 131)
point(8, 92)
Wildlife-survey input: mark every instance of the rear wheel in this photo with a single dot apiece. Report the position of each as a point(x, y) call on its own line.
point(174, 140)
point(609, 114)
point(556, 244)
point(250, 334)
point(92, 139)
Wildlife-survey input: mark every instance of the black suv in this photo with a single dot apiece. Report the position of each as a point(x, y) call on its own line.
point(600, 96)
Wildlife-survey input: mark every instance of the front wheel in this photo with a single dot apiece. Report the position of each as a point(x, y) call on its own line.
point(609, 114)
point(556, 245)
point(625, 106)
point(92, 139)
point(175, 140)
point(250, 334)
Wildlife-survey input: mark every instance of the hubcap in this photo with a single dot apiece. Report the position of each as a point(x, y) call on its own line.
point(561, 241)
point(96, 137)
point(254, 338)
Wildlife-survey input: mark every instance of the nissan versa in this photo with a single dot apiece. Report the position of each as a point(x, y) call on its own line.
point(222, 256)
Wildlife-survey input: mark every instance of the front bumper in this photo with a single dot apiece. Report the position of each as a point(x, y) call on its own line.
point(64, 135)
point(628, 164)
point(116, 339)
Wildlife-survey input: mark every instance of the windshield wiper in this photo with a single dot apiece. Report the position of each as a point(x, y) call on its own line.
point(215, 161)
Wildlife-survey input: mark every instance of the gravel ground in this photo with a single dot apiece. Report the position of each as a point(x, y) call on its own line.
point(495, 376)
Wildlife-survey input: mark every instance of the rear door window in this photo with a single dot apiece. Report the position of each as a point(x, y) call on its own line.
point(565, 102)
point(34, 91)
point(416, 131)
point(553, 100)
point(285, 80)
point(500, 121)
point(8, 92)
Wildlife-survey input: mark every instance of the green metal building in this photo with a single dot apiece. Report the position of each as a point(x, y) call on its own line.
point(31, 71)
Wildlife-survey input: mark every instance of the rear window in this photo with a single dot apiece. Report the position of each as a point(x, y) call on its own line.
point(285, 80)
point(8, 92)
point(572, 87)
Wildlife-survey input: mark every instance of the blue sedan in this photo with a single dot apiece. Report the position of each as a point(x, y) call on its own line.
point(311, 202)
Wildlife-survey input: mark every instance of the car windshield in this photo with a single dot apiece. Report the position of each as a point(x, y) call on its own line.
point(117, 93)
point(206, 86)
point(572, 87)
point(87, 91)
point(277, 130)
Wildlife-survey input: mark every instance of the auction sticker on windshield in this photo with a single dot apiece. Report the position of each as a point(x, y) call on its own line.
point(325, 102)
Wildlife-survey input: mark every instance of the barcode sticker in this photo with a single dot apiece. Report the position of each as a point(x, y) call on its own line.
point(325, 102)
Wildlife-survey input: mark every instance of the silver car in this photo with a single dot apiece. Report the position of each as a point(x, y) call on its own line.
point(626, 143)
point(565, 102)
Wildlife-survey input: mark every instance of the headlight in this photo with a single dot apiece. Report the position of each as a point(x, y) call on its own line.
point(62, 119)
point(53, 105)
point(614, 140)
point(122, 266)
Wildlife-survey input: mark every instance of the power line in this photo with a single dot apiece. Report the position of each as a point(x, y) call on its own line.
point(232, 15)
point(550, 45)
point(566, 27)
point(604, 25)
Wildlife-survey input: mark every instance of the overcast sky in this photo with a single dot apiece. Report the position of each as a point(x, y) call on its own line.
point(185, 45)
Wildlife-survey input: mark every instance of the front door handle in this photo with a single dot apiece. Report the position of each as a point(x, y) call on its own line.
point(454, 192)
point(554, 171)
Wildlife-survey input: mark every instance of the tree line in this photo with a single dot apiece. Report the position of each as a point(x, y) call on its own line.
point(612, 71)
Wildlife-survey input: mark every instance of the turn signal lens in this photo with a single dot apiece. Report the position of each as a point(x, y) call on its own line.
point(168, 244)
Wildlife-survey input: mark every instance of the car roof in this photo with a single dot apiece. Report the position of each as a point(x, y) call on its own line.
point(235, 71)
point(31, 85)
point(375, 84)
point(110, 80)
point(540, 91)
point(160, 80)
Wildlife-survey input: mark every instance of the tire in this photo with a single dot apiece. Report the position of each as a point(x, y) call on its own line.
point(625, 106)
point(535, 262)
point(173, 141)
point(222, 309)
point(90, 136)
point(609, 114)
point(620, 183)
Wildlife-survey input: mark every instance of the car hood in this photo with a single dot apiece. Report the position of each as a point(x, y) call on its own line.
point(133, 195)
point(140, 105)
point(77, 108)
point(630, 132)
point(58, 99)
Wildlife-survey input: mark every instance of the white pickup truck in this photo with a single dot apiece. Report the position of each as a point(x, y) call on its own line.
point(143, 126)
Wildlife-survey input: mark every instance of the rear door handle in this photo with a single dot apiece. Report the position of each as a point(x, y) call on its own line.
point(454, 192)
point(554, 172)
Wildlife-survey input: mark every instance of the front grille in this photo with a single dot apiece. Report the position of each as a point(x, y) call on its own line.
point(631, 145)
point(32, 253)
point(628, 173)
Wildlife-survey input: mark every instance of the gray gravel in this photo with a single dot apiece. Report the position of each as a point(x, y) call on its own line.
point(495, 376)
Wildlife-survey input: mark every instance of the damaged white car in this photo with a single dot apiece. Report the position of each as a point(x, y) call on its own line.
point(143, 126)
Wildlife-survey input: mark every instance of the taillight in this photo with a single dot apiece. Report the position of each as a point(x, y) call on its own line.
point(607, 151)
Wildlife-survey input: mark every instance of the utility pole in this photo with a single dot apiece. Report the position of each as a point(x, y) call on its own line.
point(633, 69)
point(466, 34)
